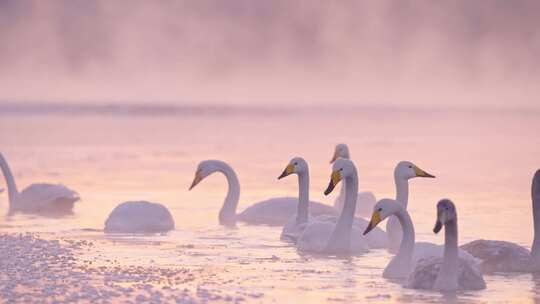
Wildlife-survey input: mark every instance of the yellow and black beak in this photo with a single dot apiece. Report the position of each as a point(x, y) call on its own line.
point(375, 220)
point(421, 173)
point(198, 178)
point(334, 180)
point(288, 171)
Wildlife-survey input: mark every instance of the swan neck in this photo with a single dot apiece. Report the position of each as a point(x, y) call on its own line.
point(341, 236)
point(10, 181)
point(450, 257)
point(406, 247)
point(303, 198)
point(227, 214)
point(402, 191)
point(535, 250)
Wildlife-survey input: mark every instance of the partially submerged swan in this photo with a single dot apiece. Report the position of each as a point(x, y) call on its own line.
point(139, 217)
point(335, 238)
point(409, 253)
point(273, 212)
point(404, 171)
point(502, 256)
point(41, 199)
point(365, 200)
point(448, 273)
point(296, 224)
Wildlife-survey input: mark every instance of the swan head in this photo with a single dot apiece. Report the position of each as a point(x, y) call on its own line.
point(342, 151)
point(296, 165)
point(382, 210)
point(446, 213)
point(342, 168)
point(407, 170)
point(205, 168)
point(536, 186)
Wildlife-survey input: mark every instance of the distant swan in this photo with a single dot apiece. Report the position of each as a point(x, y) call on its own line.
point(139, 217)
point(404, 171)
point(410, 253)
point(502, 256)
point(365, 200)
point(41, 199)
point(273, 212)
point(448, 273)
point(296, 224)
point(335, 238)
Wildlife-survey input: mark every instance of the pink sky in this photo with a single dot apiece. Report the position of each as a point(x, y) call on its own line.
point(271, 52)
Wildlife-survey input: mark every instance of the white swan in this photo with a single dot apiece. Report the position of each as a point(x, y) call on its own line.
point(327, 237)
point(41, 199)
point(502, 256)
point(404, 171)
point(448, 273)
point(409, 253)
point(296, 224)
point(139, 217)
point(365, 200)
point(273, 212)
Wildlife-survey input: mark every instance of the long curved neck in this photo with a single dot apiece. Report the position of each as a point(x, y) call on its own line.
point(535, 250)
point(449, 266)
point(303, 198)
point(406, 247)
point(227, 214)
point(402, 190)
point(341, 236)
point(10, 181)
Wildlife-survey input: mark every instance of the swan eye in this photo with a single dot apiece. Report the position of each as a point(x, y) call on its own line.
point(296, 164)
point(410, 166)
point(380, 209)
point(341, 169)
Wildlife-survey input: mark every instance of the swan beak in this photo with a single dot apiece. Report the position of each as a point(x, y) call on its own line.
point(375, 219)
point(438, 226)
point(421, 173)
point(334, 180)
point(288, 171)
point(335, 157)
point(198, 178)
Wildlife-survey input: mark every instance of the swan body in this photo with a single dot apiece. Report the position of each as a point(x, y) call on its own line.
point(139, 217)
point(335, 238)
point(41, 198)
point(502, 256)
point(272, 212)
point(418, 261)
point(365, 200)
point(449, 272)
point(277, 211)
point(403, 171)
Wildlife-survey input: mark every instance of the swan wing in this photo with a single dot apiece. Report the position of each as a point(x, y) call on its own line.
point(376, 238)
point(364, 203)
point(277, 211)
point(139, 217)
point(426, 271)
point(499, 256)
point(47, 193)
point(424, 250)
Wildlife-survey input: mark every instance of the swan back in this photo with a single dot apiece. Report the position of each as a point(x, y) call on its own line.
point(139, 217)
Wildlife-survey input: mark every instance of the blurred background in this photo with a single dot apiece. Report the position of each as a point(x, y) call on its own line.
point(389, 53)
